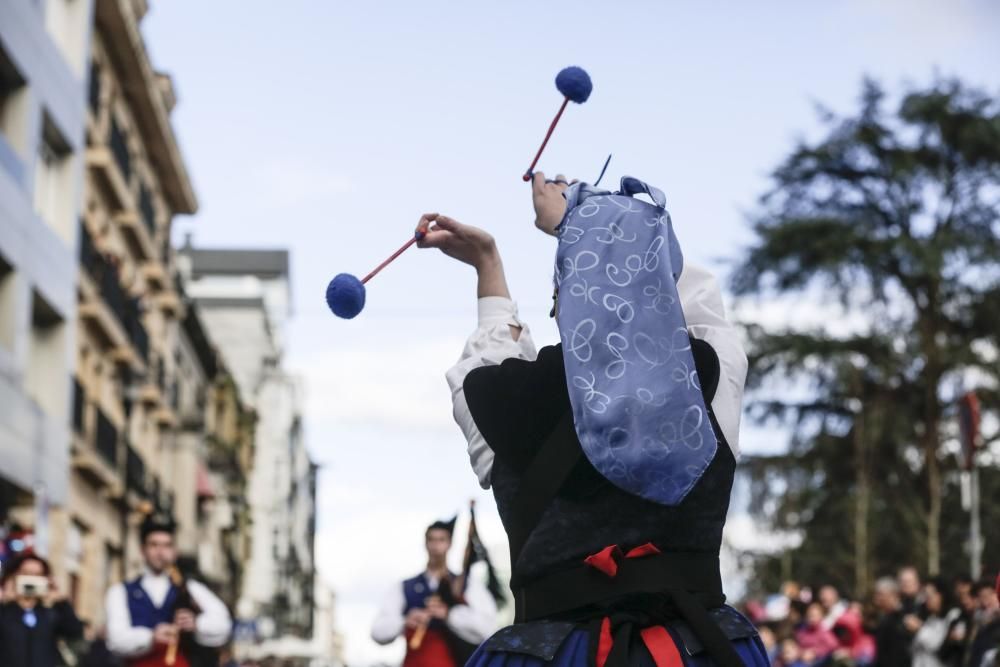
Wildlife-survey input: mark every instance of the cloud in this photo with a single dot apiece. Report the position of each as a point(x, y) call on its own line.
point(947, 24)
point(369, 376)
point(298, 181)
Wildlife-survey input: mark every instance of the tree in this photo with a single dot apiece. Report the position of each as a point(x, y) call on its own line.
point(890, 221)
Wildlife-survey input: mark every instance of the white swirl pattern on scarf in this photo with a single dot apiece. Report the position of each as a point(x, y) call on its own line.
point(637, 404)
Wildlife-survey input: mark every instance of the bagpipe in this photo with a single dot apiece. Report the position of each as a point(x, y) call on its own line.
point(184, 601)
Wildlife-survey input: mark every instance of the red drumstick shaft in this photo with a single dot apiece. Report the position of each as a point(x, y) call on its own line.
point(555, 121)
point(389, 261)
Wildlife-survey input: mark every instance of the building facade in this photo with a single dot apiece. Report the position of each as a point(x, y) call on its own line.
point(244, 297)
point(132, 376)
point(126, 389)
point(44, 49)
point(113, 399)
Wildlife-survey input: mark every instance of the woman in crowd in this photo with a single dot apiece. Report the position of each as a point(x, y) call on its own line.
point(930, 627)
point(816, 641)
point(33, 616)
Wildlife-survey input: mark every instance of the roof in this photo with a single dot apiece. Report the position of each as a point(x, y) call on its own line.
point(262, 263)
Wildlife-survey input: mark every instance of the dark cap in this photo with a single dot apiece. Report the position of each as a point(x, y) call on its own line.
point(157, 522)
point(448, 526)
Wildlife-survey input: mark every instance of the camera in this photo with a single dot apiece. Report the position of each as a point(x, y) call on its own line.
point(28, 586)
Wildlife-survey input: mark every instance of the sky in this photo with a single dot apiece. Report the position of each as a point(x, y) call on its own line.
point(327, 128)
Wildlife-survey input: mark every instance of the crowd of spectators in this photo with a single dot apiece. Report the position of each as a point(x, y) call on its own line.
point(906, 622)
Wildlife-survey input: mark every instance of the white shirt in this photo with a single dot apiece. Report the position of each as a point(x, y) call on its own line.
point(212, 625)
point(929, 639)
point(472, 622)
point(492, 343)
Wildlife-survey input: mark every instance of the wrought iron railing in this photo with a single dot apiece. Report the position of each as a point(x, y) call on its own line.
point(95, 88)
point(136, 331)
point(107, 439)
point(119, 148)
point(147, 210)
point(135, 471)
point(106, 277)
point(79, 402)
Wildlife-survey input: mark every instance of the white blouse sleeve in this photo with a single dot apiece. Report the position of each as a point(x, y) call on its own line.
point(124, 639)
point(213, 625)
point(389, 621)
point(701, 300)
point(489, 345)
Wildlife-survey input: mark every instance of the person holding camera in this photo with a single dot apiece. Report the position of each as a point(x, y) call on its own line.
point(33, 615)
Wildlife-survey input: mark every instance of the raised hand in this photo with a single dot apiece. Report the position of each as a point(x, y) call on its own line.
point(550, 204)
point(465, 243)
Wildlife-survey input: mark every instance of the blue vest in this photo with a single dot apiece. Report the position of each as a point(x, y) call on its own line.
point(418, 589)
point(415, 591)
point(142, 610)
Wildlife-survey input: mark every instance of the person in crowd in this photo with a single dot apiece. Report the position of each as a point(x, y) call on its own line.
point(908, 581)
point(834, 605)
point(790, 655)
point(770, 642)
point(986, 625)
point(892, 641)
point(956, 645)
point(813, 637)
point(930, 627)
point(152, 619)
point(856, 646)
point(34, 616)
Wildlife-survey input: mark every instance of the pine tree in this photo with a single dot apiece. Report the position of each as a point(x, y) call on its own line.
point(891, 220)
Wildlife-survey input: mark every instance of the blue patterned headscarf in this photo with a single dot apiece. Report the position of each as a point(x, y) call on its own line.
point(637, 405)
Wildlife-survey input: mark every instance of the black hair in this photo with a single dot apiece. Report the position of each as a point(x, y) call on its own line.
point(15, 563)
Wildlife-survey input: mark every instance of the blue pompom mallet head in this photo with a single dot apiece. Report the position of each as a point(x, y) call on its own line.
point(345, 295)
point(575, 85)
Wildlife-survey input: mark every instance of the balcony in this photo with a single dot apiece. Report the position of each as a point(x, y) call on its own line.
point(139, 239)
point(103, 302)
point(107, 440)
point(97, 459)
point(151, 392)
point(135, 473)
point(102, 163)
point(168, 301)
point(137, 332)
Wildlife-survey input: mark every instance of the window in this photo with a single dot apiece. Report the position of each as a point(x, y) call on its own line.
point(94, 90)
point(53, 182)
point(46, 371)
point(147, 210)
point(79, 407)
point(13, 108)
point(119, 148)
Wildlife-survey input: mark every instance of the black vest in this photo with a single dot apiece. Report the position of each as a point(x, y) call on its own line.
point(516, 406)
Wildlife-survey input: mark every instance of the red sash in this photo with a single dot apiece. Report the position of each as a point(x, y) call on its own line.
point(433, 652)
point(157, 657)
